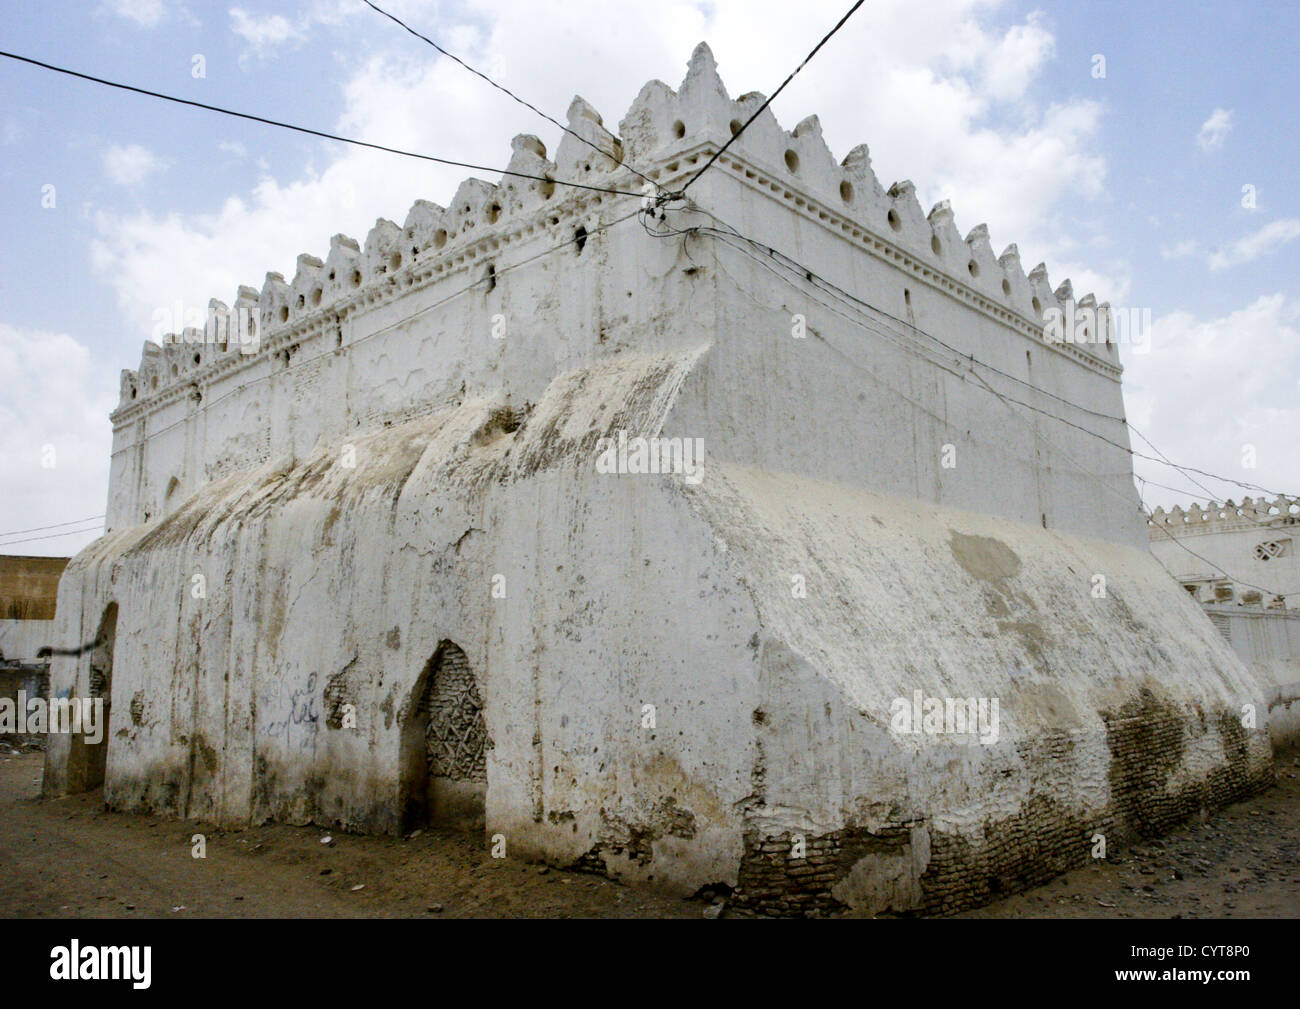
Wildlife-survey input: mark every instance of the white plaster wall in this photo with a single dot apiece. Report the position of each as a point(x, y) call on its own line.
point(21, 639)
point(1192, 547)
point(1268, 641)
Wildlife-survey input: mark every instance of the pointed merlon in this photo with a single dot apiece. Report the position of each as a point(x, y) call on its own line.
point(528, 142)
point(808, 126)
point(702, 80)
point(940, 212)
point(858, 160)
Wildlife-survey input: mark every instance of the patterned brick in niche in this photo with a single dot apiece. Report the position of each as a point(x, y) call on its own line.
point(456, 738)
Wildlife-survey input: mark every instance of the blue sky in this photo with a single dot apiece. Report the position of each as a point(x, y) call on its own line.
point(1131, 184)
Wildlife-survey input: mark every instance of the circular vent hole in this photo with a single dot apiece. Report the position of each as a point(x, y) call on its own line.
point(679, 129)
point(935, 244)
point(735, 127)
point(440, 239)
point(846, 191)
point(1038, 306)
point(792, 161)
point(974, 268)
point(1006, 287)
point(894, 221)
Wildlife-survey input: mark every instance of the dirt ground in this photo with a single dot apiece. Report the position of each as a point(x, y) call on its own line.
point(69, 858)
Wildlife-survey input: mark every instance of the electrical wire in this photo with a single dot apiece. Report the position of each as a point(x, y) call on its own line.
point(1186, 470)
point(526, 104)
point(52, 536)
point(759, 111)
point(56, 525)
point(311, 132)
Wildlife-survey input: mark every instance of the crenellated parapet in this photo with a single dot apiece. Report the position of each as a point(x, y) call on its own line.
point(1251, 513)
point(798, 167)
point(666, 135)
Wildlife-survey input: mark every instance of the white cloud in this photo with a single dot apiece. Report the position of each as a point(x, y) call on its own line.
point(131, 164)
point(1266, 240)
point(927, 119)
point(1214, 131)
point(1180, 250)
point(55, 410)
point(1016, 59)
point(145, 13)
point(1175, 395)
point(264, 33)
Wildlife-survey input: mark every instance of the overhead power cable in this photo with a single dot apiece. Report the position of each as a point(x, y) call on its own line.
point(52, 536)
point(310, 132)
point(502, 88)
point(56, 525)
point(1157, 451)
point(1178, 490)
point(759, 111)
point(1186, 471)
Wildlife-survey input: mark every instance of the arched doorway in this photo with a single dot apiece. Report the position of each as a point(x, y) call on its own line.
point(445, 744)
point(101, 688)
point(88, 761)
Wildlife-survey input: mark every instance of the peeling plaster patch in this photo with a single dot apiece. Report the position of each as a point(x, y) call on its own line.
point(985, 558)
point(633, 838)
point(341, 690)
